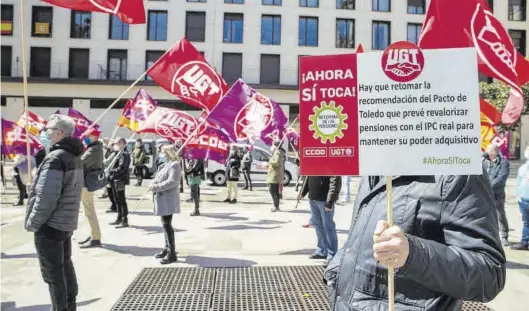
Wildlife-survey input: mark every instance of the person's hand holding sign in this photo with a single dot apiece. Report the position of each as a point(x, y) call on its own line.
point(390, 245)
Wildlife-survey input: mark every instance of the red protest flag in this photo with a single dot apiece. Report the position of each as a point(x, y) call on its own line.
point(137, 110)
point(14, 140)
point(83, 125)
point(489, 111)
point(131, 12)
point(184, 72)
point(171, 124)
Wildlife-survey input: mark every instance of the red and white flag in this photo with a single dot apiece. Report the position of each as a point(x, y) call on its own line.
point(184, 72)
point(171, 124)
point(470, 23)
point(35, 123)
point(128, 11)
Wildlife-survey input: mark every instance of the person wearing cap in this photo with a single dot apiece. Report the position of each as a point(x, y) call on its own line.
point(92, 160)
point(53, 210)
point(275, 173)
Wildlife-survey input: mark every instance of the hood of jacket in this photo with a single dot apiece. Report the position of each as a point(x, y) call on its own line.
point(72, 145)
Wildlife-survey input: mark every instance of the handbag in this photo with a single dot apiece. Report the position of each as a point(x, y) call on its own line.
point(95, 180)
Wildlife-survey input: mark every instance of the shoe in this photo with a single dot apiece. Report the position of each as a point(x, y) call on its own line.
point(189, 201)
point(245, 188)
point(25, 196)
point(85, 240)
point(326, 263)
point(161, 254)
point(227, 201)
point(92, 243)
point(251, 189)
point(104, 196)
point(124, 224)
point(181, 190)
point(520, 247)
point(195, 213)
point(306, 226)
point(137, 185)
point(108, 211)
point(318, 256)
point(281, 196)
point(504, 242)
point(233, 201)
point(275, 209)
point(19, 204)
point(170, 258)
point(114, 223)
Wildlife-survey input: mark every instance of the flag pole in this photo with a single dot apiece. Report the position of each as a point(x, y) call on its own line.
point(25, 88)
point(391, 272)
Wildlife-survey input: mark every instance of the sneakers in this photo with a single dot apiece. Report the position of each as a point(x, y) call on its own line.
point(520, 247)
point(85, 240)
point(318, 256)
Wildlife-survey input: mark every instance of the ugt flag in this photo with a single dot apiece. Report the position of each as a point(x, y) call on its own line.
point(211, 144)
point(137, 110)
point(35, 123)
point(14, 140)
point(82, 124)
point(470, 23)
point(171, 124)
point(128, 11)
point(247, 115)
point(184, 72)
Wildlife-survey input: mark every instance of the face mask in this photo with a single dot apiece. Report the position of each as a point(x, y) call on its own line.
point(87, 141)
point(163, 158)
point(116, 148)
point(273, 149)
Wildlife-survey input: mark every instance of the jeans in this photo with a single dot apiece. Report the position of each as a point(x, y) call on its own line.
point(274, 191)
point(88, 203)
point(524, 209)
point(347, 194)
point(195, 195)
point(54, 250)
point(502, 217)
point(121, 202)
point(168, 232)
point(323, 223)
point(247, 178)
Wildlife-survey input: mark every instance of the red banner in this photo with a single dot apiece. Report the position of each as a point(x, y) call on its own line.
point(170, 123)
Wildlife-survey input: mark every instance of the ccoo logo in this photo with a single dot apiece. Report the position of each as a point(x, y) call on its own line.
point(198, 82)
point(402, 61)
point(254, 117)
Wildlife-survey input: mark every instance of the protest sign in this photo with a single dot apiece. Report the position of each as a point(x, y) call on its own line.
point(405, 111)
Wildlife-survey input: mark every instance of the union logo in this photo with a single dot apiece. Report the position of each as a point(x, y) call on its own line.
point(198, 82)
point(254, 117)
point(109, 6)
point(402, 61)
point(176, 124)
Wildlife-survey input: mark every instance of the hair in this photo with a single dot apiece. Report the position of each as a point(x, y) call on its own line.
point(62, 123)
point(170, 152)
point(493, 147)
point(120, 140)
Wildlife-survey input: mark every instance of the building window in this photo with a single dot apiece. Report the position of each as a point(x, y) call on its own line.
point(157, 27)
point(271, 29)
point(272, 2)
point(491, 4)
point(7, 20)
point(201, 1)
point(308, 31)
point(7, 59)
point(117, 65)
point(118, 30)
point(416, 6)
point(150, 58)
point(233, 28)
point(40, 62)
point(231, 66)
point(270, 68)
point(309, 3)
point(41, 21)
point(414, 32)
point(381, 5)
point(517, 10)
point(518, 39)
point(345, 4)
point(345, 33)
point(196, 26)
point(381, 36)
point(80, 25)
point(234, 1)
point(79, 63)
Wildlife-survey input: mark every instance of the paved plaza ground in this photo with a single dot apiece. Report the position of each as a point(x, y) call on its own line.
point(240, 235)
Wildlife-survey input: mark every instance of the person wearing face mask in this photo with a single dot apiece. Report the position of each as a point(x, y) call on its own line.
point(233, 165)
point(275, 173)
point(522, 193)
point(92, 161)
point(195, 174)
point(53, 210)
point(497, 167)
point(139, 158)
point(119, 178)
point(167, 200)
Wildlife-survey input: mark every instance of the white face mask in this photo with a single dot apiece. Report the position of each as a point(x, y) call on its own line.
point(273, 149)
point(116, 148)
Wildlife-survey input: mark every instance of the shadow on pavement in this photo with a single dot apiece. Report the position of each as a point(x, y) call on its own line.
point(516, 265)
point(154, 229)
point(299, 211)
point(132, 250)
point(17, 256)
point(213, 262)
point(305, 251)
point(243, 227)
point(226, 216)
point(12, 306)
point(267, 222)
point(141, 213)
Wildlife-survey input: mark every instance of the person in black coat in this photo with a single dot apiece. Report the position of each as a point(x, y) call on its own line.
point(119, 178)
point(39, 157)
point(233, 166)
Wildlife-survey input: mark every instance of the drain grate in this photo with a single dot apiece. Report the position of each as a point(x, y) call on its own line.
point(285, 288)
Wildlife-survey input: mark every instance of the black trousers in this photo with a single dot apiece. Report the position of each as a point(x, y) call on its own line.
point(54, 250)
point(502, 216)
point(168, 232)
point(22, 192)
point(110, 193)
point(139, 172)
point(195, 195)
point(247, 178)
point(274, 191)
point(121, 203)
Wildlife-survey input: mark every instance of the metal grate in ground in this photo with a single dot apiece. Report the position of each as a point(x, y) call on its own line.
point(285, 288)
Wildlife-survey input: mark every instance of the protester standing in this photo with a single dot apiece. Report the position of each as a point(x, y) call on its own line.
point(444, 244)
point(522, 193)
point(139, 157)
point(323, 193)
point(233, 166)
point(498, 170)
point(282, 177)
point(119, 178)
point(92, 160)
point(247, 160)
point(110, 154)
point(275, 172)
point(167, 200)
point(195, 174)
point(53, 211)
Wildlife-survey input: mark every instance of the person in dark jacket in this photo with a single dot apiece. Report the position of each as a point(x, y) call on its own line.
point(53, 211)
point(247, 160)
point(444, 244)
point(233, 166)
point(323, 193)
point(119, 178)
point(139, 157)
point(497, 167)
point(92, 161)
point(110, 154)
point(195, 174)
point(39, 157)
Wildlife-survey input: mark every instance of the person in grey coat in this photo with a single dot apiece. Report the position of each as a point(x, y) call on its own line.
point(53, 211)
point(444, 244)
point(165, 188)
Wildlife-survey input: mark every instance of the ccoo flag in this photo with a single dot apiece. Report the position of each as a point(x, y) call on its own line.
point(35, 123)
point(82, 124)
point(137, 110)
point(14, 140)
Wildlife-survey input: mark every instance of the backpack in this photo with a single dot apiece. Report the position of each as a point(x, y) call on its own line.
point(95, 180)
